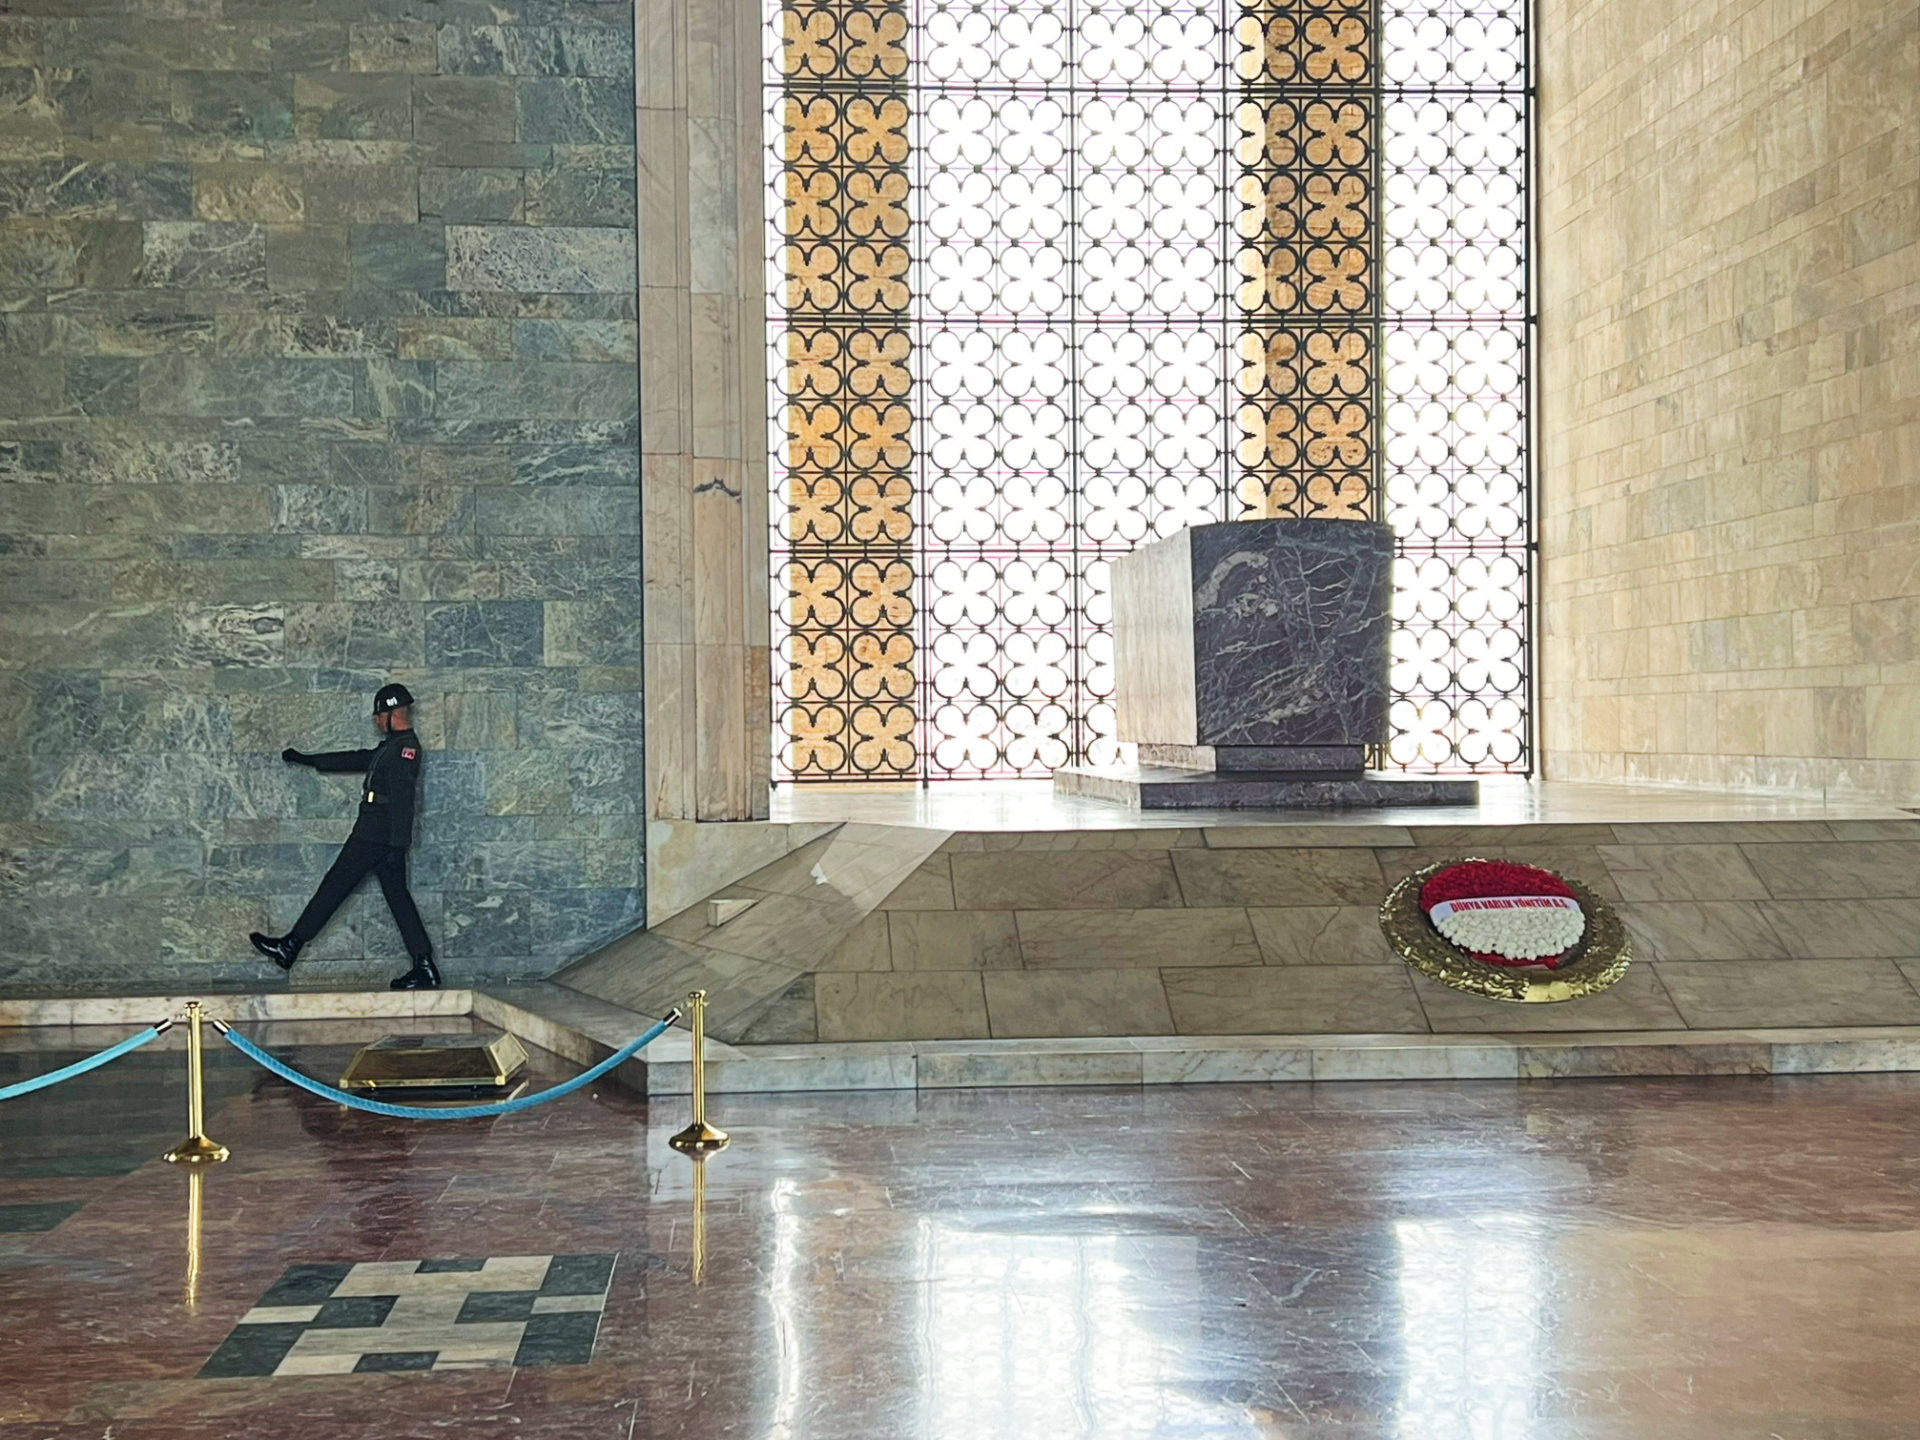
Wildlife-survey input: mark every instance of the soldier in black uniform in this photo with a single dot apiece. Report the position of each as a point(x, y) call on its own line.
point(378, 844)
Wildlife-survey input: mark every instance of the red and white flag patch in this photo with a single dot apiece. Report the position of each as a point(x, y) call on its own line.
point(409, 753)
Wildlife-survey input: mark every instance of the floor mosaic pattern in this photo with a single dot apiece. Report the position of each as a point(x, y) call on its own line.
point(454, 1314)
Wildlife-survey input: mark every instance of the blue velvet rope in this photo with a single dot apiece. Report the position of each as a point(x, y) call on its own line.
point(453, 1112)
point(81, 1067)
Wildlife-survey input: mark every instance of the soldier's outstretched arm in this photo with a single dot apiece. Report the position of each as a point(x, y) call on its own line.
point(334, 761)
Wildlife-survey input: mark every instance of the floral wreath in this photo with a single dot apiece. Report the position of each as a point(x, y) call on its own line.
point(1505, 914)
point(1506, 930)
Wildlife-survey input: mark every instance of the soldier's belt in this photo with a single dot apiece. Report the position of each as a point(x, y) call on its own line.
point(372, 799)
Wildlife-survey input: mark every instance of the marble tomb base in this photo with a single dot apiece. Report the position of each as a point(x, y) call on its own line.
point(1164, 787)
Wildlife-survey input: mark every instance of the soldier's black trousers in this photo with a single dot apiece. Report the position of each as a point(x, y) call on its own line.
point(359, 856)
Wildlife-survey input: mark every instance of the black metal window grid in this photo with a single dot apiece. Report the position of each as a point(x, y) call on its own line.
point(1045, 365)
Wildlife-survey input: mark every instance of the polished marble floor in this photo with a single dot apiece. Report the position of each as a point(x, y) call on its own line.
point(1032, 805)
point(1671, 1259)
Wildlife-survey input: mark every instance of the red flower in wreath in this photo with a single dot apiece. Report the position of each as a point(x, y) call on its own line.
point(1504, 914)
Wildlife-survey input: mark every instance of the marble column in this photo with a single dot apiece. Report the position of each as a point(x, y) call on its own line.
point(703, 387)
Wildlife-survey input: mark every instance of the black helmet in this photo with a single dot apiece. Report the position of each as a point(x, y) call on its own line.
point(391, 697)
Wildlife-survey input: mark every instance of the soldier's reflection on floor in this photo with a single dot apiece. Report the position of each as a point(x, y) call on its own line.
point(367, 1156)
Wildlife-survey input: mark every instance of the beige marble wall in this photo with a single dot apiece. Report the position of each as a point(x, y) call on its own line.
point(703, 408)
point(1731, 328)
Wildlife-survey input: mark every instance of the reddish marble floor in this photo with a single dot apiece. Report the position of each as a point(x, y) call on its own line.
point(1631, 1259)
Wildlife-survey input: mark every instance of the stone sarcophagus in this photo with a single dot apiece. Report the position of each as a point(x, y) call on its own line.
point(1255, 645)
point(1252, 665)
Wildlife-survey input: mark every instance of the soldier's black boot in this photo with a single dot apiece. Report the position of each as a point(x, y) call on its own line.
point(423, 976)
point(283, 951)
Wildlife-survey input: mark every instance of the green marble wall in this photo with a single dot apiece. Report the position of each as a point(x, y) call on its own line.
point(317, 367)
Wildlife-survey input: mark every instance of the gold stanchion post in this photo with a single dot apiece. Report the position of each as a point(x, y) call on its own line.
point(196, 1149)
point(699, 1138)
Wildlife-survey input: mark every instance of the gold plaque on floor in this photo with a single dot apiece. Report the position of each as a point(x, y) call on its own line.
point(488, 1059)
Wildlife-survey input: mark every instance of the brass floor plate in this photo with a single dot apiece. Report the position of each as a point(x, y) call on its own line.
point(413, 1062)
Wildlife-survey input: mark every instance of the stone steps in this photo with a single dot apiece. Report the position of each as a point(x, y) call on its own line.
point(1170, 1060)
point(585, 1030)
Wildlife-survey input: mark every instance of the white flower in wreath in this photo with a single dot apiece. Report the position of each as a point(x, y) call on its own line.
point(1520, 927)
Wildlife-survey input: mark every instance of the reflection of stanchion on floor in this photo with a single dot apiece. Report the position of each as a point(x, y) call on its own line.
point(699, 1218)
point(699, 1138)
point(196, 1149)
point(195, 1179)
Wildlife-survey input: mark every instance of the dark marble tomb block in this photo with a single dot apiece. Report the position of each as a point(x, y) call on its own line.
point(1258, 636)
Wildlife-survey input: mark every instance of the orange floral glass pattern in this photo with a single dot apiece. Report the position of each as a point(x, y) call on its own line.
point(844, 191)
point(1308, 262)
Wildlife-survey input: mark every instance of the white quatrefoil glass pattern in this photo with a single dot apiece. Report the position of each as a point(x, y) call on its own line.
point(1049, 278)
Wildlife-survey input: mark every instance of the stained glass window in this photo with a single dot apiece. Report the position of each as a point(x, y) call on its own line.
point(1051, 277)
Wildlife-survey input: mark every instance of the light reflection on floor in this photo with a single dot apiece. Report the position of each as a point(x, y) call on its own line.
point(1660, 1259)
point(1470, 1326)
point(1060, 1334)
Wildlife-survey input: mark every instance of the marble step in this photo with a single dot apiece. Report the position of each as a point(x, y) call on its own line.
point(236, 1004)
point(585, 1030)
point(1169, 1060)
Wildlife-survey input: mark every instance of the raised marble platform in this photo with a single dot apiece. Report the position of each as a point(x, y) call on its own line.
point(1006, 913)
point(1160, 787)
point(1504, 800)
point(1006, 935)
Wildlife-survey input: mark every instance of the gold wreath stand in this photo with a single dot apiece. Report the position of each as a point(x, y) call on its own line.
point(1601, 956)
